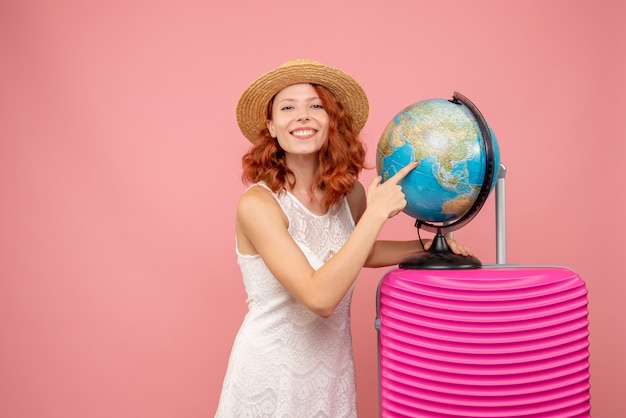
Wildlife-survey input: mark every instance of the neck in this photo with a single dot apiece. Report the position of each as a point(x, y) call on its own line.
point(304, 169)
point(305, 188)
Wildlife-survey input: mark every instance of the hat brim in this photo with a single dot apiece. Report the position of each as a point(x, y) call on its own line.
point(252, 106)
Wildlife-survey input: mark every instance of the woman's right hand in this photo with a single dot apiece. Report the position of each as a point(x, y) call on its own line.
point(387, 198)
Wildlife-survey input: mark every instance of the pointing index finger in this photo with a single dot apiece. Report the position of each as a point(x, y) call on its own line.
point(400, 174)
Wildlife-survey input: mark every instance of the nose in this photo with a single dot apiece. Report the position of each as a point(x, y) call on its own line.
point(303, 114)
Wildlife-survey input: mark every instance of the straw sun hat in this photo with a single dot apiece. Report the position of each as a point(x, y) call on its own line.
point(252, 106)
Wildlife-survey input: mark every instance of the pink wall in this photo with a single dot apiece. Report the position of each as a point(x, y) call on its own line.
point(119, 173)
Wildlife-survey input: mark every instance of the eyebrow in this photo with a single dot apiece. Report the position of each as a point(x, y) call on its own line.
point(289, 99)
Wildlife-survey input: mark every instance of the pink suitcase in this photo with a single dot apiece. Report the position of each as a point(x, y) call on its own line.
point(497, 341)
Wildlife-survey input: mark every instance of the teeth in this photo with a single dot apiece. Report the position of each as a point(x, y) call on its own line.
point(308, 132)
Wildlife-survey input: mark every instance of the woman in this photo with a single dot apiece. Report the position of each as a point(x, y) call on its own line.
point(304, 230)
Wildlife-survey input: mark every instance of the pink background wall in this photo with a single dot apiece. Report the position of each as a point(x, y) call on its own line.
point(120, 164)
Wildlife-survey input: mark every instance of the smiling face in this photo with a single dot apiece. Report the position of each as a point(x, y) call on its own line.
point(299, 121)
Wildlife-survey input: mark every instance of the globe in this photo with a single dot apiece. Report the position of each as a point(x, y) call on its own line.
point(458, 159)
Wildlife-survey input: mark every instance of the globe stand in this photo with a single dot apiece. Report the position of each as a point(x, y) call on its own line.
point(439, 257)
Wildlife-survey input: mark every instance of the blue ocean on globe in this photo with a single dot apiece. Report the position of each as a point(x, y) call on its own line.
point(446, 141)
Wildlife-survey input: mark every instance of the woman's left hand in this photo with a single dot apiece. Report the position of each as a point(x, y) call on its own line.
point(454, 246)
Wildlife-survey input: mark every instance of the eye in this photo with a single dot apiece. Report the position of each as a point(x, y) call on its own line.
point(317, 106)
point(288, 107)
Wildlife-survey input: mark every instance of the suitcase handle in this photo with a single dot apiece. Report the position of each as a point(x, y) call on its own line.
point(501, 216)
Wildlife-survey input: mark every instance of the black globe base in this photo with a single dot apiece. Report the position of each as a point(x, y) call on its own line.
point(439, 257)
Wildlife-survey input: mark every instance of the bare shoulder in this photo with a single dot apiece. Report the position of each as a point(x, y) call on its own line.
point(257, 201)
point(258, 216)
point(357, 201)
point(255, 195)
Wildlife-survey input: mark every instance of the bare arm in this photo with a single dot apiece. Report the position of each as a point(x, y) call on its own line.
point(389, 253)
point(262, 229)
point(382, 253)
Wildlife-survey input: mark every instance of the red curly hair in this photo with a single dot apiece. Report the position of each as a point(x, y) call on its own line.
point(340, 159)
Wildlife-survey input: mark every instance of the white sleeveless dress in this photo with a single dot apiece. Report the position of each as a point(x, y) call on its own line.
point(287, 361)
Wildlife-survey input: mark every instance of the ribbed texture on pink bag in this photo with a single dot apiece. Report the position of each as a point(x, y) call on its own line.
point(489, 342)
